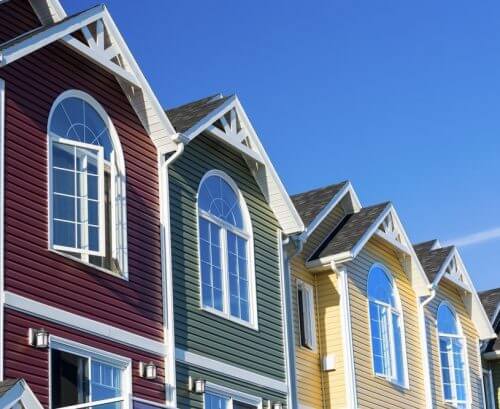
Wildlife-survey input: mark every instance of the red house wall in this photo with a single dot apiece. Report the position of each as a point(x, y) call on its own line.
point(20, 17)
point(24, 361)
point(31, 270)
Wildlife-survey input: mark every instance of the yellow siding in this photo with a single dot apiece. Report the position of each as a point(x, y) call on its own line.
point(330, 330)
point(448, 292)
point(375, 392)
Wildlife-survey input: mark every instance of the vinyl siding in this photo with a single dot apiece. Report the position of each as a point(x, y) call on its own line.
point(495, 372)
point(24, 361)
point(199, 331)
point(31, 270)
point(374, 392)
point(448, 292)
point(20, 16)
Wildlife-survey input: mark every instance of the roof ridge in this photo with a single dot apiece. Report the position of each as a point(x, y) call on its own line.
point(317, 189)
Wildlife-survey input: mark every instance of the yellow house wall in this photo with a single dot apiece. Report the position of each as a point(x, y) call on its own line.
point(448, 292)
point(372, 391)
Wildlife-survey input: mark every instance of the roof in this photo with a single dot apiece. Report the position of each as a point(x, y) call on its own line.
point(7, 385)
point(309, 204)
point(491, 302)
point(350, 231)
point(432, 260)
point(15, 393)
point(185, 116)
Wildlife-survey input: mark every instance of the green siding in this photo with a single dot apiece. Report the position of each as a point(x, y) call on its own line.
point(196, 330)
point(495, 369)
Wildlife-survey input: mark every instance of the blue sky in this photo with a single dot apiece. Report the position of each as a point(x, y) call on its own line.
point(402, 98)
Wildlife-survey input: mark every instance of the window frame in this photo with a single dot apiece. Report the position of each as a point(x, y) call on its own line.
point(453, 402)
point(231, 395)
point(392, 376)
point(88, 352)
point(307, 288)
point(247, 234)
point(119, 172)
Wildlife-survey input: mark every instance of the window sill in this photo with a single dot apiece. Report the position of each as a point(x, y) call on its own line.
point(101, 269)
point(253, 326)
point(393, 383)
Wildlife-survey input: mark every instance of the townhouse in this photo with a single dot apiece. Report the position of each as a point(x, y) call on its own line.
point(380, 322)
point(491, 350)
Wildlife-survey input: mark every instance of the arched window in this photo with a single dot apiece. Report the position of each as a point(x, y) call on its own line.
point(227, 282)
point(386, 323)
point(87, 183)
point(452, 354)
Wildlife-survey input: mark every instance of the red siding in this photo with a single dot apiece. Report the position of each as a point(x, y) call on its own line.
point(24, 361)
point(20, 17)
point(32, 84)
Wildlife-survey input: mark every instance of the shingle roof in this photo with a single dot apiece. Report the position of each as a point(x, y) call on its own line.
point(185, 116)
point(491, 301)
point(309, 204)
point(6, 385)
point(349, 231)
point(431, 260)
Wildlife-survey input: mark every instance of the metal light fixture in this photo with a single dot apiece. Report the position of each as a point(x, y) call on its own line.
point(196, 386)
point(147, 370)
point(38, 338)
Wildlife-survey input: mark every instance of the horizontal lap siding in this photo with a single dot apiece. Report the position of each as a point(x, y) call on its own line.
point(32, 84)
point(199, 331)
point(447, 292)
point(374, 392)
point(20, 16)
point(24, 361)
point(495, 371)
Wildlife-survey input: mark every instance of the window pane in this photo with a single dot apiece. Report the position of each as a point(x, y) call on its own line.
point(64, 208)
point(213, 401)
point(93, 238)
point(63, 156)
point(380, 287)
point(64, 181)
point(204, 233)
point(378, 351)
point(93, 212)
point(447, 323)
point(398, 349)
point(69, 379)
point(241, 405)
point(106, 381)
point(64, 234)
point(238, 285)
point(93, 187)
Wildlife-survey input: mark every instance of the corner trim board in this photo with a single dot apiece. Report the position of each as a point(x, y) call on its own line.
point(226, 369)
point(2, 238)
point(87, 325)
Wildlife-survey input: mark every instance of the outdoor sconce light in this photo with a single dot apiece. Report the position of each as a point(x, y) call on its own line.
point(196, 386)
point(147, 370)
point(38, 338)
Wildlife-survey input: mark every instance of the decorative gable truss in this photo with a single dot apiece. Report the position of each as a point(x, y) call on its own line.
point(94, 35)
point(230, 125)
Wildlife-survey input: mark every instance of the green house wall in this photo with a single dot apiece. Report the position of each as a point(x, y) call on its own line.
point(196, 330)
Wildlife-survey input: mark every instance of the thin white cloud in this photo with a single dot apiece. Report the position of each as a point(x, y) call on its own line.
point(475, 238)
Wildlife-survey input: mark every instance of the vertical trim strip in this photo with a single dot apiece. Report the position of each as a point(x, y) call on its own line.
point(425, 353)
point(350, 376)
point(2, 236)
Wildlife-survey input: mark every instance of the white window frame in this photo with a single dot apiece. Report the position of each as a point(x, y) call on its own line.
point(231, 395)
point(245, 234)
point(454, 402)
point(392, 376)
point(76, 348)
point(118, 172)
point(309, 316)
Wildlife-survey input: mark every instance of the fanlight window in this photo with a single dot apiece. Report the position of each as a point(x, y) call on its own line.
point(227, 284)
point(452, 354)
point(386, 323)
point(87, 184)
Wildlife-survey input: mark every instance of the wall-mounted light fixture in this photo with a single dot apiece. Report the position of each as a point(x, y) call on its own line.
point(147, 370)
point(196, 386)
point(38, 338)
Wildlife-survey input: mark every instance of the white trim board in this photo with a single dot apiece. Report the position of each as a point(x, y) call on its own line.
point(226, 369)
point(87, 325)
point(20, 393)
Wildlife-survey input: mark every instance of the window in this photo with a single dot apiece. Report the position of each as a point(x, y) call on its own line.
point(87, 183)
point(452, 354)
point(218, 397)
point(307, 319)
point(386, 323)
point(79, 376)
point(227, 284)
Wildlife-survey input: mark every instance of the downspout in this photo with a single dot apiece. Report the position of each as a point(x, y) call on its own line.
point(167, 273)
point(292, 400)
point(422, 303)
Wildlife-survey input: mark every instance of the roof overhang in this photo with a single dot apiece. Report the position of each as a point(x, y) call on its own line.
point(105, 46)
point(389, 228)
point(229, 124)
point(454, 271)
point(20, 395)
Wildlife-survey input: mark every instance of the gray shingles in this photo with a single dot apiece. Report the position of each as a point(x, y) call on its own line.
point(431, 260)
point(309, 204)
point(6, 385)
point(490, 300)
point(350, 231)
point(185, 116)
